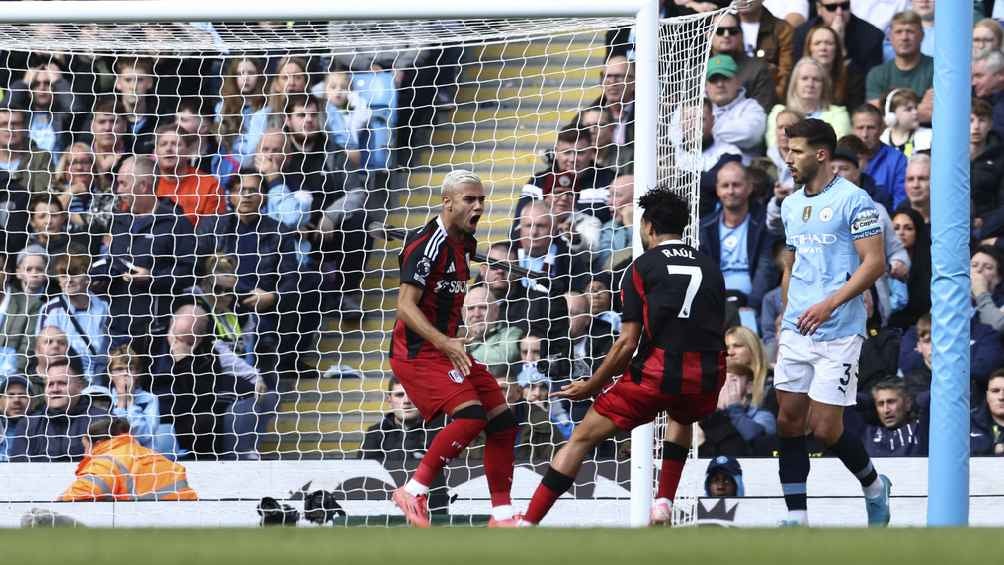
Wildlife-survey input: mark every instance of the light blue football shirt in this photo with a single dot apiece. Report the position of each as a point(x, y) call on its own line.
point(734, 262)
point(821, 231)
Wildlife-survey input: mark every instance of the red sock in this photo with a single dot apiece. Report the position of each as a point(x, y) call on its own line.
point(674, 457)
point(554, 485)
point(499, 457)
point(449, 442)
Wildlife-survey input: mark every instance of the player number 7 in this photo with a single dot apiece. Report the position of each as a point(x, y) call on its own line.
point(695, 276)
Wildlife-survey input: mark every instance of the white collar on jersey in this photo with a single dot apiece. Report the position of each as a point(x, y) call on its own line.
point(672, 242)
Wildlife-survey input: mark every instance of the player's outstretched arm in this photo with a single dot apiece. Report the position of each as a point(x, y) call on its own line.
point(871, 250)
point(409, 313)
point(615, 363)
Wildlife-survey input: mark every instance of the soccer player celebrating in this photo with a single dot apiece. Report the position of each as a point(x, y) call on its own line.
point(834, 253)
point(674, 304)
point(432, 363)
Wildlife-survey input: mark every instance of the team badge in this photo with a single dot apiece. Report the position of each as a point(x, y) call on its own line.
point(424, 267)
point(806, 213)
point(825, 214)
point(456, 376)
point(730, 242)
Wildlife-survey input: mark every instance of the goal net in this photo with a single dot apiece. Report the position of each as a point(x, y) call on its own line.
point(202, 225)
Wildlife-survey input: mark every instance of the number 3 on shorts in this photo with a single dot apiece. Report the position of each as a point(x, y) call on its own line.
point(694, 276)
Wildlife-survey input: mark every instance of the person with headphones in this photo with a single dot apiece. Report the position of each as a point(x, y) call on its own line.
point(903, 130)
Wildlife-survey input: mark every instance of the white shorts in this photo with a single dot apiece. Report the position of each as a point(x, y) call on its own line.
point(826, 370)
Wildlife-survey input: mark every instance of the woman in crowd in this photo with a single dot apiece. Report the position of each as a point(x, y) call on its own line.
point(825, 47)
point(89, 205)
point(809, 95)
point(987, 36)
point(914, 235)
point(743, 347)
point(243, 114)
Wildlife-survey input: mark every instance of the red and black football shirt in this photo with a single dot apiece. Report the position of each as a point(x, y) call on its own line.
point(438, 264)
point(678, 295)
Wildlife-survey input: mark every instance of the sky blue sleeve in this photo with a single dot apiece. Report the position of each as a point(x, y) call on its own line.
point(862, 216)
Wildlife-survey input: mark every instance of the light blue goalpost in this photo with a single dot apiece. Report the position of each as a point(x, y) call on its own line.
point(948, 463)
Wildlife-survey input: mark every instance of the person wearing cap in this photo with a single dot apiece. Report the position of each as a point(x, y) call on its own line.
point(54, 432)
point(724, 478)
point(117, 467)
point(14, 396)
point(738, 120)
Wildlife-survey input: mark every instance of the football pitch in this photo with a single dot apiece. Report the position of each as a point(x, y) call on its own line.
point(480, 546)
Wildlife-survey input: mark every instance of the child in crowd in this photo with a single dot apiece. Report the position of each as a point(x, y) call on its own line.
point(903, 129)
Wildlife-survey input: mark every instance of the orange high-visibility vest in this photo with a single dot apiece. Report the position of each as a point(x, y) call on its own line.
point(122, 469)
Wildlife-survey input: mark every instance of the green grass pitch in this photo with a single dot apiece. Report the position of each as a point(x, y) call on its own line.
point(480, 546)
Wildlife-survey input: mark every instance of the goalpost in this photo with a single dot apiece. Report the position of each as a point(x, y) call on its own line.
point(520, 71)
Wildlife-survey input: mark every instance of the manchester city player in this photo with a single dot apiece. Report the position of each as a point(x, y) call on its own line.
point(834, 253)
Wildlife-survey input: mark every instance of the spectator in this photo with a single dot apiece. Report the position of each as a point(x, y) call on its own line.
point(898, 434)
point(267, 283)
point(925, 9)
point(117, 467)
point(48, 225)
point(618, 99)
point(910, 69)
point(714, 152)
point(770, 39)
point(55, 431)
point(76, 187)
point(599, 122)
point(134, 91)
point(987, 37)
point(198, 195)
point(918, 186)
point(23, 296)
point(753, 73)
point(777, 151)
point(847, 161)
point(743, 347)
point(47, 98)
point(909, 226)
point(287, 205)
point(809, 95)
point(51, 345)
point(738, 120)
point(986, 161)
point(400, 435)
point(531, 381)
point(513, 298)
point(823, 46)
point(590, 340)
point(903, 131)
point(346, 114)
point(489, 342)
point(539, 437)
point(14, 398)
point(217, 294)
point(129, 401)
point(108, 143)
point(151, 257)
point(862, 41)
point(737, 424)
point(81, 315)
point(539, 250)
point(886, 166)
point(205, 152)
point(724, 478)
point(194, 389)
point(736, 236)
point(23, 165)
point(290, 79)
point(879, 356)
point(600, 296)
point(615, 236)
point(986, 436)
point(572, 166)
point(243, 112)
point(988, 84)
point(771, 307)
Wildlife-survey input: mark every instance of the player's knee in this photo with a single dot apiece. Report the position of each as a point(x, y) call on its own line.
point(826, 431)
point(472, 412)
point(790, 423)
point(505, 421)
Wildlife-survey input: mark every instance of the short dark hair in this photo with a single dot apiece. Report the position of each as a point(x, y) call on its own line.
point(981, 108)
point(574, 135)
point(668, 212)
point(867, 108)
point(817, 133)
point(105, 428)
point(301, 100)
point(891, 383)
point(853, 144)
point(72, 361)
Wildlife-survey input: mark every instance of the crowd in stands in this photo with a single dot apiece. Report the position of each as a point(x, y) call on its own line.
point(176, 234)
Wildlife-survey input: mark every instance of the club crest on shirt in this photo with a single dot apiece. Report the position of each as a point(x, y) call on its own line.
point(806, 213)
point(456, 376)
point(825, 215)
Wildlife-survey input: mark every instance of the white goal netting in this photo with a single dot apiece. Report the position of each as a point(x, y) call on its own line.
point(201, 225)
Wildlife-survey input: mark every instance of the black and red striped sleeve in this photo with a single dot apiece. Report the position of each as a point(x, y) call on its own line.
point(633, 295)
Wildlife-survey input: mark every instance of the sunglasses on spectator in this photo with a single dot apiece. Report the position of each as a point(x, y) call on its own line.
point(723, 31)
point(845, 6)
